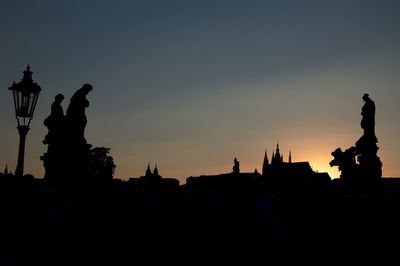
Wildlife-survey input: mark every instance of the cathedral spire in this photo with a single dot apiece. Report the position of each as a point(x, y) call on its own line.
point(148, 171)
point(277, 158)
point(155, 171)
point(265, 163)
point(277, 153)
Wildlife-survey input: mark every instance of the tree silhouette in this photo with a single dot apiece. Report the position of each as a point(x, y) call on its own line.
point(101, 163)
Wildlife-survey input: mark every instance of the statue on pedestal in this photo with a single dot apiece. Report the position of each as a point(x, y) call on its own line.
point(369, 167)
point(67, 151)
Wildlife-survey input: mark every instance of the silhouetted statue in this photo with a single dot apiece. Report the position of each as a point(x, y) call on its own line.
point(67, 157)
point(76, 112)
point(346, 162)
point(370, 166)
point(366, 148)
point(368, 114)
point(235, 167)
point(55, 139)
point(55, 121)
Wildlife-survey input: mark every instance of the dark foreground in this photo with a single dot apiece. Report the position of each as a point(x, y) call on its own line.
point(122, 223)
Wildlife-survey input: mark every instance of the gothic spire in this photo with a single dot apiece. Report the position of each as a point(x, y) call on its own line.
point(265, 156)
point(265, 163)
point(277, 153)
point(148, 171)
point(155, 171)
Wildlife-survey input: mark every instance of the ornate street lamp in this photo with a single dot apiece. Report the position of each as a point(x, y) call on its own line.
point(26, 93)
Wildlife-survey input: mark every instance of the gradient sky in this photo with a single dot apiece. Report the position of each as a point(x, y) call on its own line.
point(193, 84)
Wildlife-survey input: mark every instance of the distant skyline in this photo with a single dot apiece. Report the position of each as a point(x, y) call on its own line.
point(193, 84)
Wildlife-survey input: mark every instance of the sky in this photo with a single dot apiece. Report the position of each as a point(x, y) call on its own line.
point(190, 85)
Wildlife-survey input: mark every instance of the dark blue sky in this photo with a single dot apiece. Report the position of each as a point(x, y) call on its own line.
point(192, 84)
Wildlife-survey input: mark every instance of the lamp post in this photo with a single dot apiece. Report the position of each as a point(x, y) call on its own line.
point(25, 93)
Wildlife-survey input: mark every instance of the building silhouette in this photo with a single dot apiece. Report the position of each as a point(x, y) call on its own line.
point(152, 180)
point(275, 175)
point(151, 175)
point(280, 172)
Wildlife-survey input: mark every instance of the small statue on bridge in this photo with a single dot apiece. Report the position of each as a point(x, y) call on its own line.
point(235, 167)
